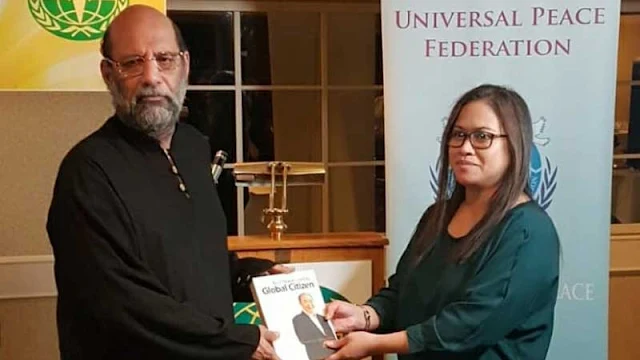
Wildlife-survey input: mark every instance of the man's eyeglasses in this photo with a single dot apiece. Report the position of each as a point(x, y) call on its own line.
point(134, 65)
point(479, 139)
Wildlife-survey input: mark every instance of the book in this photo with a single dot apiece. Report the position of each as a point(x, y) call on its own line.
point(292, 304)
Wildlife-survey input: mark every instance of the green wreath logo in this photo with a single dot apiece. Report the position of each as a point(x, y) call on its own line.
point(76, 20)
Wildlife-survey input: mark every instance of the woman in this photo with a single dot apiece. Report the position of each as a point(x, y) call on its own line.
point(479, 277)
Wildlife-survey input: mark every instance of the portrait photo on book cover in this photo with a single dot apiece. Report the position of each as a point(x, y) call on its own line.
point(292, 304)
point(312, 328)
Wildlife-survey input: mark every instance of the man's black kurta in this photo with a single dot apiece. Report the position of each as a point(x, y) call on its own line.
point(141, 265)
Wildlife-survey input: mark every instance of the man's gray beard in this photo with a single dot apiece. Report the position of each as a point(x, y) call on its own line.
point(153, 120)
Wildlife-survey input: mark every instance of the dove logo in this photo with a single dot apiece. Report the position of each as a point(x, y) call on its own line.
point(542, 173)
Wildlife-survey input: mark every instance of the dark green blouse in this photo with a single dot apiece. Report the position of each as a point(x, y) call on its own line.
point(497, 305)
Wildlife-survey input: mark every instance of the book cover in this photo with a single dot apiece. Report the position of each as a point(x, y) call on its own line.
point(292, 305)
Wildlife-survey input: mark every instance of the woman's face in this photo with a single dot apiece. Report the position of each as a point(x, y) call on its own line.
point(478, 147)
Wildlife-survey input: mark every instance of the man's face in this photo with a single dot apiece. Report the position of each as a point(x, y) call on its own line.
point(307, 303)
point(149, 99)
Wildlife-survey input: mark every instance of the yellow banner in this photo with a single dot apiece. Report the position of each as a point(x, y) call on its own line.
point(54, 45)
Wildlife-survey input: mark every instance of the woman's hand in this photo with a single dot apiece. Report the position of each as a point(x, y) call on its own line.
point(344, 316)
point(355, 345)
point(359, 344)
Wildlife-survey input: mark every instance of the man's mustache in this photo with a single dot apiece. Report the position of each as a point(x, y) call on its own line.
point(148, 92)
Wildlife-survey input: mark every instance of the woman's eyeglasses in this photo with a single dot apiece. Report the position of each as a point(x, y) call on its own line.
point(479, 139)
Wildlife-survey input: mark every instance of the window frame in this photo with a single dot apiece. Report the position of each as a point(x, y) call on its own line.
point(625, 229)
point(323, 9)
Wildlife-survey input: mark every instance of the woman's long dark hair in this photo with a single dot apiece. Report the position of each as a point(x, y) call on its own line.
point(514, 116)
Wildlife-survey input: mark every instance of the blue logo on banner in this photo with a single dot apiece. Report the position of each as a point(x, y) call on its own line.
point(542, 173)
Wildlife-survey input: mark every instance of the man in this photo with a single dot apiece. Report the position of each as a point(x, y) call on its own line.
point(138, 234)
point(312, 329)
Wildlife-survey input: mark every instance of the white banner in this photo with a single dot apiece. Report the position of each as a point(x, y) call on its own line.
point(561, 57)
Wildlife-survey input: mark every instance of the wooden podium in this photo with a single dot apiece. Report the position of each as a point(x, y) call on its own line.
point(295, 248)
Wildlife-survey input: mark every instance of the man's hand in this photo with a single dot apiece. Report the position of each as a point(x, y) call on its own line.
point(280, 269)
point(265, 350)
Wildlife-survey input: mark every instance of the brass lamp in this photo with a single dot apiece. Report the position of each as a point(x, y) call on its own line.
point(277, 174)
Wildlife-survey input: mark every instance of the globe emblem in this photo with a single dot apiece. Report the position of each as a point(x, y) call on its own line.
point(247, 312)
point(76, 20)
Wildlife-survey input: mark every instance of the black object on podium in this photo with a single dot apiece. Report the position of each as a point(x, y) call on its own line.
point(633, 137)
